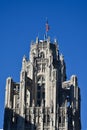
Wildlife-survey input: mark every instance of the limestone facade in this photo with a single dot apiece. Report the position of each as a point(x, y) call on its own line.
point(43, 99)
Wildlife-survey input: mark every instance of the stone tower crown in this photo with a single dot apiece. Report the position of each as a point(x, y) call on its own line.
point(43, 99)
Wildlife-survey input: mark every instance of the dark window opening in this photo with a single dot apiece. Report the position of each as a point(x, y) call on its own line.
point(44, 119)
point(48, 118)
point(67, 98)
point(43, 79)
point(43, 67)
point(43, 95)
point(38, 95)
point(43, 86)
point(38, 88)
point(59, 119)
point(42, 55)
point(26, 119)
point(38, 102)
point(17, 105)
point(38, 67)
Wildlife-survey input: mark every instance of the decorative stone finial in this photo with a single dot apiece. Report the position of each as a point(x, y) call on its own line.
point(37, 40)
point(61, 57)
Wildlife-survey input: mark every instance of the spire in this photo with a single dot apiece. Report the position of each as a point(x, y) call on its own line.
point(24, 62)
point(37, 40)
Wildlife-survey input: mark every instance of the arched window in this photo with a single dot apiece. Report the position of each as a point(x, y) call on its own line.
point(42, 55)
point(41, 79)
point(40, 89)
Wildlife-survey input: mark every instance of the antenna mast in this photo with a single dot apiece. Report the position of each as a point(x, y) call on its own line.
point(47, 28)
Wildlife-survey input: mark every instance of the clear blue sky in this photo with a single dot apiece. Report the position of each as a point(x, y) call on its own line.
point(22, 20)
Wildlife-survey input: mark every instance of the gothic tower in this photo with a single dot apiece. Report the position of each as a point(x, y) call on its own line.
point(43, 99)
